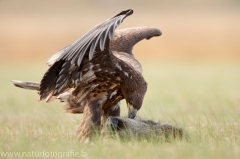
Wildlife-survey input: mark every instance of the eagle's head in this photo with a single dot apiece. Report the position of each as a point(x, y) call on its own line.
point(134, 100)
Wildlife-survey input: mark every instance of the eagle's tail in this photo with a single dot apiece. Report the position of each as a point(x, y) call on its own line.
point(63, 97)
point(27, 85)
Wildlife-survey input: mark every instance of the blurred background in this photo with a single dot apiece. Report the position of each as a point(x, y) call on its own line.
point(193, 31)
point(193, 65)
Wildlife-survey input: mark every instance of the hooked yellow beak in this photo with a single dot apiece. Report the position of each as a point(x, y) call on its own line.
point(132, 112)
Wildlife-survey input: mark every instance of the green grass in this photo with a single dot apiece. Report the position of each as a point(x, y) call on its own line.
point(204, 99)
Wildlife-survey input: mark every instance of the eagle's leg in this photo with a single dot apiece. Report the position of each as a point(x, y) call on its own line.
point(91, 121)
point(112, 111)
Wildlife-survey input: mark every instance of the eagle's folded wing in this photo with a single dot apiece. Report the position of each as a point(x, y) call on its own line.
point(65, 66)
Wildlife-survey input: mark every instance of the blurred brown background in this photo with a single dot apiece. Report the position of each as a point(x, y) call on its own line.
point(193, 31)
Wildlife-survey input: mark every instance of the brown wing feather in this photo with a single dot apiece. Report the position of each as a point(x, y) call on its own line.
point(67, 63)
point(125, 39)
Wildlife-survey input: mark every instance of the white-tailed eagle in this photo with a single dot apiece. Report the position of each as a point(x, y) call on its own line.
point(97, 71)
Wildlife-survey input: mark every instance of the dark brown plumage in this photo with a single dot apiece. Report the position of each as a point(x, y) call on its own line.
point(97, 71)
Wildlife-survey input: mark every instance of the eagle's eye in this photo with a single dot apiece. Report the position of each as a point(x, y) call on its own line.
point(131, 101)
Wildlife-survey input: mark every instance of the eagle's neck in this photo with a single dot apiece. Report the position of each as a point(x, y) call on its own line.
point(130, 71)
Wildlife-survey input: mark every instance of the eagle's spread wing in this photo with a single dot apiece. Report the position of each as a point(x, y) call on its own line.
point(65, 66)
point(125, 39)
